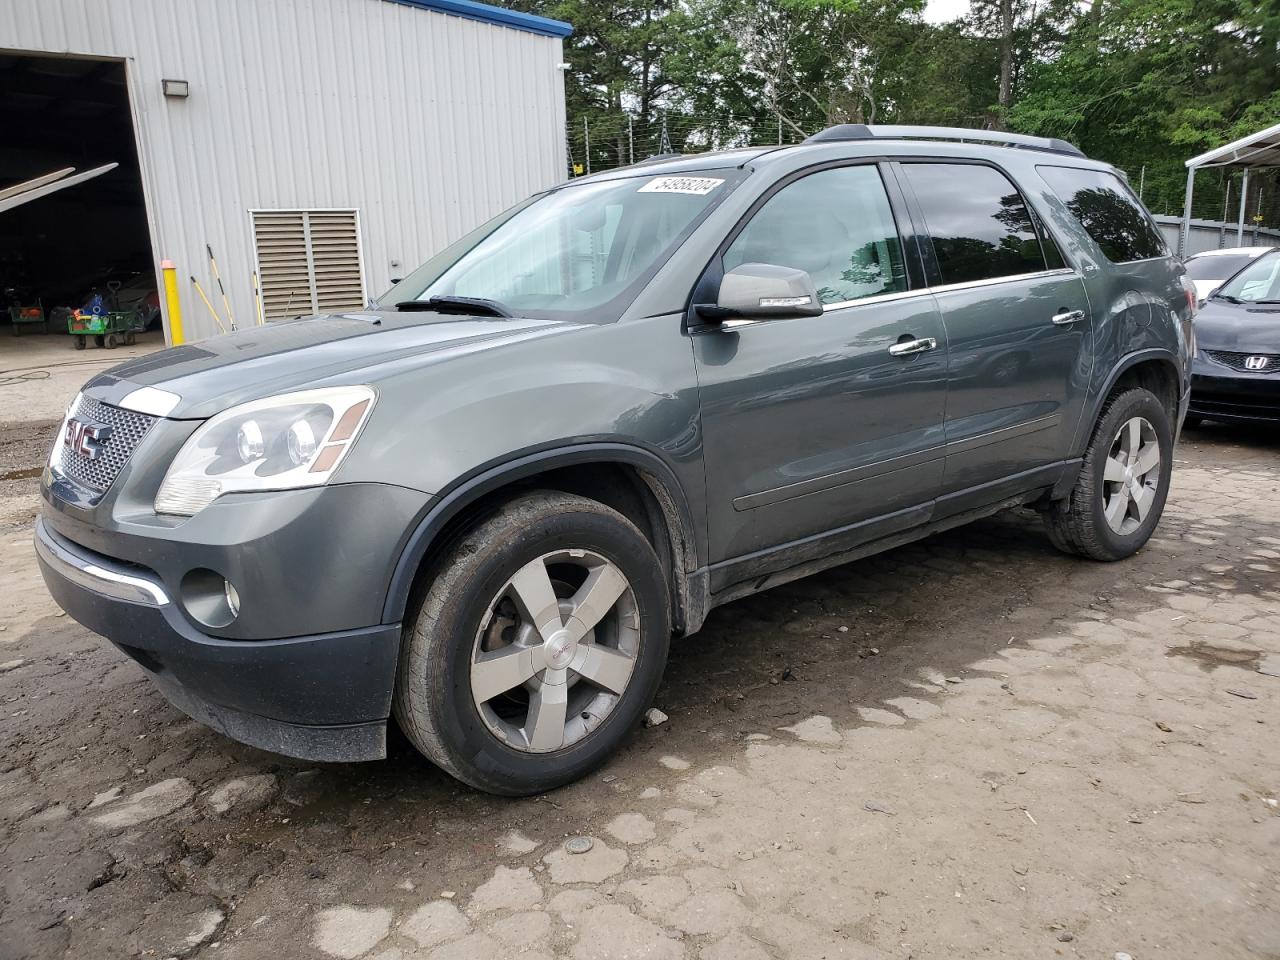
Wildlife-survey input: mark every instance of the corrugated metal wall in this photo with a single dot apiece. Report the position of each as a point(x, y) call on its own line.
point(424, 122)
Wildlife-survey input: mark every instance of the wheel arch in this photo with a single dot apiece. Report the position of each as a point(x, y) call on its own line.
point(1155, 369)
point(635, 481)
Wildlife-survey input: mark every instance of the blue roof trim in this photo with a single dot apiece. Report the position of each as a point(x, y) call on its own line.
point(487, 13)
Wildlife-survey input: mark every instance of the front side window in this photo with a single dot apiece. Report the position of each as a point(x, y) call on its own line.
point(980, 226)
point(575, 253)
point(1108, 211)
point(836, 225)
point(1257, 283)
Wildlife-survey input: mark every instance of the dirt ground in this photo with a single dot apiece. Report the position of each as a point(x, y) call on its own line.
point(970, 747)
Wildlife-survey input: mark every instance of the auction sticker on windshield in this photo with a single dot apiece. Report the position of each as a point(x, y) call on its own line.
point(695, 185)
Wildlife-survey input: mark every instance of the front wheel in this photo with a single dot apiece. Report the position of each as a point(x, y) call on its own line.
point(1124, 480)
point(537, 647)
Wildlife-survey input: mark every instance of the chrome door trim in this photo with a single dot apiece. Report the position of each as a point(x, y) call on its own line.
point(948, 287)
point(995, 281)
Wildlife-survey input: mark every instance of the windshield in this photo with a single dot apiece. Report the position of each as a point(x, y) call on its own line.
point(1260, 281)
point(579, 253)
point(1217, 267)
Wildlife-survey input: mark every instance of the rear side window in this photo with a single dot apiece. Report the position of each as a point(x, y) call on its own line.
point(980, 226)
point(1108, 211)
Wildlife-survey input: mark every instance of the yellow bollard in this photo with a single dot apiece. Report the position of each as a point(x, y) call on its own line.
point(171, 298)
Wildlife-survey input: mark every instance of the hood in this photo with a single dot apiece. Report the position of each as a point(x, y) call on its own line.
point(1240, 328)
point(215, 374)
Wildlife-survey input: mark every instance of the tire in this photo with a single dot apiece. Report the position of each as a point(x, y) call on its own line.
point(1080, 524)
point(79, 343)
point(472, 612)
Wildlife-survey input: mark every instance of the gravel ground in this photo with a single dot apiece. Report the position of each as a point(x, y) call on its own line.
point(970, 747)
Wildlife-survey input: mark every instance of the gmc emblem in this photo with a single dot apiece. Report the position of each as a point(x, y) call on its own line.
point(86, 439)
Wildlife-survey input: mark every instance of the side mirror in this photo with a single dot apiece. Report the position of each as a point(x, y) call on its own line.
point(764, 291)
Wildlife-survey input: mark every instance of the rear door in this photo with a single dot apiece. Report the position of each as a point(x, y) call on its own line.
point(1018, 329)
point(810, 425)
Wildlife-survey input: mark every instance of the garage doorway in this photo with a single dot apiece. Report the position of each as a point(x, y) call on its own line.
point(87, 245)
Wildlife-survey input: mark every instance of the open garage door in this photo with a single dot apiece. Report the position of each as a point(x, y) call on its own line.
point(79, 239)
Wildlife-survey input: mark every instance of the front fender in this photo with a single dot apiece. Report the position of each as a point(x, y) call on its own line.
point(470, 489)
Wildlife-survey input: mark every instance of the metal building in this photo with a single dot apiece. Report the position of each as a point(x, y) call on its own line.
point(329, 145)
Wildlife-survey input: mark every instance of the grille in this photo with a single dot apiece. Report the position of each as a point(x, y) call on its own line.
point(1236, 361)
point(127, 430)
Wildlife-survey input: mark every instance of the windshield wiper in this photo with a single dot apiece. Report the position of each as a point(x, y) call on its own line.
point(455, 305)
point(1225, 296)
point(1264, 301)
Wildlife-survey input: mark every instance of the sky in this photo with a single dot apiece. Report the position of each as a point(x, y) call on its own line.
point(940, 11)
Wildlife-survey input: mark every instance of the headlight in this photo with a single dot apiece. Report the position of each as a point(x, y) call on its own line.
point(279, 443)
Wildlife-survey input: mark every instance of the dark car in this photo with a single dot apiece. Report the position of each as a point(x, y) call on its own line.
point(1236, 371)
point(486, 504)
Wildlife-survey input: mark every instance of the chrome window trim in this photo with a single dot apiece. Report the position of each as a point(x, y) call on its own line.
point(93, 575)
point(948, 287)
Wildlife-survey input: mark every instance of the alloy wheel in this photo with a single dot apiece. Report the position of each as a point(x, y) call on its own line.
point(1131, 476)
point(555, 651)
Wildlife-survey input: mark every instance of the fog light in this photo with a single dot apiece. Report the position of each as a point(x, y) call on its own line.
point(209, 598)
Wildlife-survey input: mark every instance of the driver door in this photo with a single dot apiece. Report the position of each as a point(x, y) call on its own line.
point(815, 436)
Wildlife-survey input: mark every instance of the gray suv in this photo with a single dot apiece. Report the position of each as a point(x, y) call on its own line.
point(484, 505)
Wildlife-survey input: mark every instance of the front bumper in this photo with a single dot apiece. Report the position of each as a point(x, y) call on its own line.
point(319, 697)
point(1220, 393)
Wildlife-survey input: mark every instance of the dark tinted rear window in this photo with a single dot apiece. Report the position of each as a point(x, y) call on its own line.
point(1108, 211)
point(980, 226)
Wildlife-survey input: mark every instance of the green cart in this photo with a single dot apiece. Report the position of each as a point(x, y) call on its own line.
point(108, 329)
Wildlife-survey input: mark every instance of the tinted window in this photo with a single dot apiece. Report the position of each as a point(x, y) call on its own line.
point(1108, 211)
point(1216, 267)
point(979, 224)
point(836, 224)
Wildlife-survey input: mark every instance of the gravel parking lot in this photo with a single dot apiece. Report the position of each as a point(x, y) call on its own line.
point(970, 747)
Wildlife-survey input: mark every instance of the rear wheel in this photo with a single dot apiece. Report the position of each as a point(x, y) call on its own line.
point(537, 647)
point(1124, 480)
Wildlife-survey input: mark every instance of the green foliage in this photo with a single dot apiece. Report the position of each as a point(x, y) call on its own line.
point(1140, 83)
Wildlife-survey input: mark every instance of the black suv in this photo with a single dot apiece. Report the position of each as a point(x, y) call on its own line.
point(485, 505)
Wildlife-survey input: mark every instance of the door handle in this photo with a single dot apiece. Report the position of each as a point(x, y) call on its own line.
point(1067, 317)
point(905, 348)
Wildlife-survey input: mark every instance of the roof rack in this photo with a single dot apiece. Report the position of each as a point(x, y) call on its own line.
point(862, 131)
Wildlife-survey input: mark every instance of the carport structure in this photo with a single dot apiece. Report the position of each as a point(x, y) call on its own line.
point(1258, 151)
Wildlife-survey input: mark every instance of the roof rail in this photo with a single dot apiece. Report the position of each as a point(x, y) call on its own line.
point(862, 131)
point(657, 158)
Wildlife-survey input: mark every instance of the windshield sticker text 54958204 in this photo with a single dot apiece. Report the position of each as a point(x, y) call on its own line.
point(699, 186)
